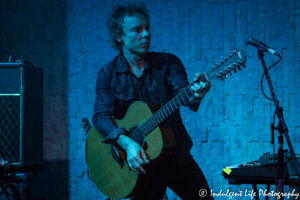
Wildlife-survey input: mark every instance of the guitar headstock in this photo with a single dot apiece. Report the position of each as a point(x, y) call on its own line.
point(86, 126)
point(231, 62)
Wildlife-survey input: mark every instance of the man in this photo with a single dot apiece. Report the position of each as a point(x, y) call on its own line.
point(128, 78)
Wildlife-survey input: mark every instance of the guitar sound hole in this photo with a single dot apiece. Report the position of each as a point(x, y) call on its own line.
point(136, 135)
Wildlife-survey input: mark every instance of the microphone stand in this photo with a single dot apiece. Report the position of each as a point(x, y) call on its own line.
point(282, 129)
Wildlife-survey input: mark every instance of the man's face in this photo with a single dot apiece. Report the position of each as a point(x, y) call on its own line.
point(137, 36)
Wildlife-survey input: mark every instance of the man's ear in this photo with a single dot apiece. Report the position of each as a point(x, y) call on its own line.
point(119, 39)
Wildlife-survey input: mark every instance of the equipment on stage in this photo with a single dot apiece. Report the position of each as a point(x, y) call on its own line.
point(262, 172)
point(108, 166)
point(22, 176)
point(281, 127)
point(34, 184)
point(252, 41)
point(21, 113)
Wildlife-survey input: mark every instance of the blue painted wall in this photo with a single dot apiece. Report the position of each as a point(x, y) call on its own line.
point(70, 41)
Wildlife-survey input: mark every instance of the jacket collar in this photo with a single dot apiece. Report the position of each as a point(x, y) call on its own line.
point(122, 64)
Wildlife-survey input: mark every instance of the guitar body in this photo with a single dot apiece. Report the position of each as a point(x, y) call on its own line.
point(112, 180)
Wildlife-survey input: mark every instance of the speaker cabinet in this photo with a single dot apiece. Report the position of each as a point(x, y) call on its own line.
point(21, 113)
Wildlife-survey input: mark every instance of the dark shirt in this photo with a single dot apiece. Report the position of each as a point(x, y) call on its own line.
point(117, 88)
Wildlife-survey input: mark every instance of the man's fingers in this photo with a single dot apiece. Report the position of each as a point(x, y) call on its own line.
point(200, 88)
point(137, 166)
point(197, 75)
point(139, 161)
point(131, 167)
point(199, 96)
point(141, 169)
point(143, 156)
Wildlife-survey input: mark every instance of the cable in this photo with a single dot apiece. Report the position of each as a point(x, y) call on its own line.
point(275, 166)
point(9, 60)
point(264, 75)
point(89, 175)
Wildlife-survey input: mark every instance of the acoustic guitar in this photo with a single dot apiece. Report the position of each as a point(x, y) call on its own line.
point(108, 166)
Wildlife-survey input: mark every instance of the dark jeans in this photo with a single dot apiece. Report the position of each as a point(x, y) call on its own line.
point(185, 179)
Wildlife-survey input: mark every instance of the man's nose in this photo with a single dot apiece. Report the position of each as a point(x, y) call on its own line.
point(146, 33)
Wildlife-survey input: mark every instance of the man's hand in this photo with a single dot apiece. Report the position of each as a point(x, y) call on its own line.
point(200, 89)
point(135, 154)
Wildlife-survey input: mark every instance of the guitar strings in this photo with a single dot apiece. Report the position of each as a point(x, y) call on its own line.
point(134, 134)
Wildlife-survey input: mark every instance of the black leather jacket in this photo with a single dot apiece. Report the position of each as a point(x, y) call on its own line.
point(115, 93)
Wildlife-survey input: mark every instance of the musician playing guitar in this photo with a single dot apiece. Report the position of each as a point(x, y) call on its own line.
point(129, 78)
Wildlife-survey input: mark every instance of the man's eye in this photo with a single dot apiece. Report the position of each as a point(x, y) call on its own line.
point(137, 29)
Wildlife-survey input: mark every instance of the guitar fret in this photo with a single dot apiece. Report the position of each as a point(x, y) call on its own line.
point(190, 90)
point(152, 123)
point(143, 131)
point(174, 103)
point(162, 115)
point(146, 126)
point(186, 93)
point(163, 112)
point(158, 115)
point(171, 106)
point(155, 120)
point(180, 99)
point(167, 110)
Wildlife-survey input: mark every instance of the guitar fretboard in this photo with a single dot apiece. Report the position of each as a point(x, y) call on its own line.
point(166, 110)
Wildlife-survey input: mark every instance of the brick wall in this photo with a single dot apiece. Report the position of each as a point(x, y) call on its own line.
point(70, 41)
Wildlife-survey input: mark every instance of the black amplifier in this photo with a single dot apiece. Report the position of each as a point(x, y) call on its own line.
point(21, 113)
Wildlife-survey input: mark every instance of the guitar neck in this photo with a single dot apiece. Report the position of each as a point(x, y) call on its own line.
point(166, 110)
point(229, 63)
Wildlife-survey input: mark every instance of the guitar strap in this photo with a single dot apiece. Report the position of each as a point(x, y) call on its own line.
point(159, 82)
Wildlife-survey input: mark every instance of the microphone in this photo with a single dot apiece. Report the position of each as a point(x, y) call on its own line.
point(252, 41)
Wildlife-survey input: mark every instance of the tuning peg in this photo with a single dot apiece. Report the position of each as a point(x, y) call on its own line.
point(213, 67)
point(230, 55)
point(230, 73)
point(244, 65)
point(234, 70)
point(222, 78)
point(222, 61)
point(234, 52)
point(239, 68)
point(226, 58)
